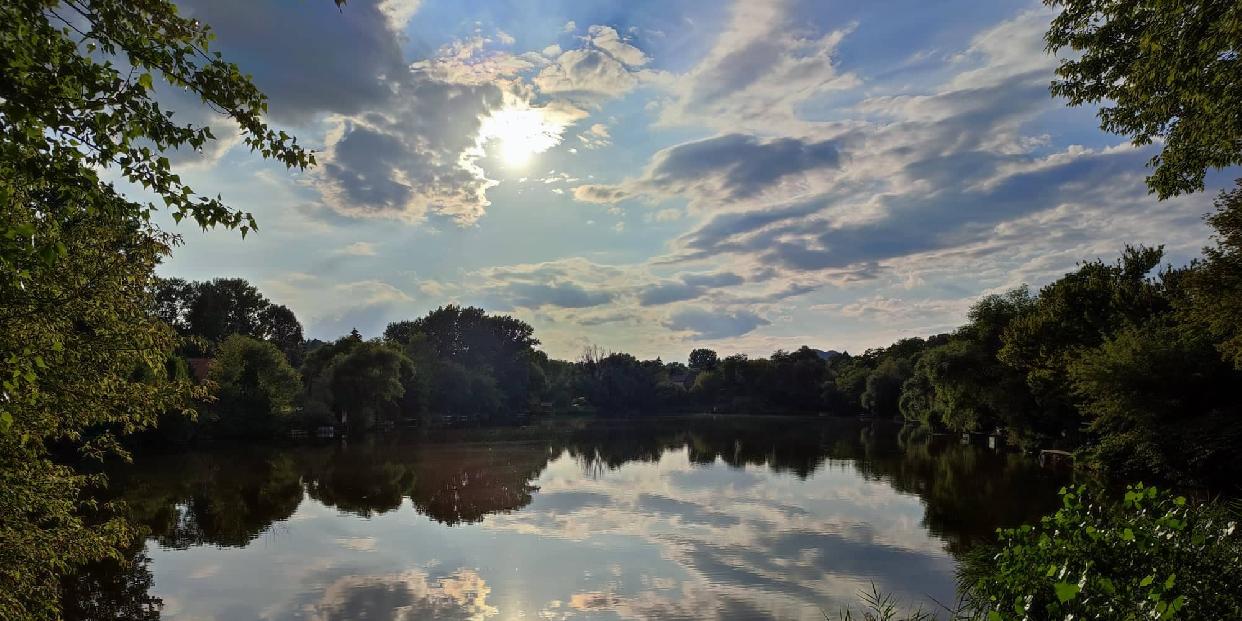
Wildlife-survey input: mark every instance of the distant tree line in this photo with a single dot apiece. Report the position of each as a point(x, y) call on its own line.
point(1137, 364)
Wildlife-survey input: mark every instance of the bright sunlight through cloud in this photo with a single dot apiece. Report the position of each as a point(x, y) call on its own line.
point(518, 133)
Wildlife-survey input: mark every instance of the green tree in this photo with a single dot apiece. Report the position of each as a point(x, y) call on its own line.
point(79, 349)
point(1168, 71)
point(366, 382)
point(280, 327)
point(498, 347)
point(703, 359)
point(961, 384)
point(883, 392)
point(1214, 286)
point(256, 388)
point(1072, 315)
point(1160, 402)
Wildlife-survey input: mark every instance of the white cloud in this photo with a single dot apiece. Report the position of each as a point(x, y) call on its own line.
point(358, 249)
point(399, 12)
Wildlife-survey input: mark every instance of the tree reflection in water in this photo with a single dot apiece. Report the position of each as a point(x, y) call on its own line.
point(227, 498)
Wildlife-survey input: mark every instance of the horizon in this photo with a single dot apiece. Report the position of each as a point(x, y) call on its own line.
point(614, 177)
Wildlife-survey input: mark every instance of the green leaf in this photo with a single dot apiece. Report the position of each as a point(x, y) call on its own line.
point(1066, 591)
point(145, 81)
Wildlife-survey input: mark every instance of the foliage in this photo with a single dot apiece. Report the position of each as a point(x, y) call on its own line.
point(1214, 287)
point(80, 358)
point(1070, 316)
point(960, 385)
point(1156, 556)
point(464, 352)
point(359, 382)
point(219, 308)
point(1168, 71)
point(256, 388)
point(366, 381)
point(704, 360)
point(1161, 402)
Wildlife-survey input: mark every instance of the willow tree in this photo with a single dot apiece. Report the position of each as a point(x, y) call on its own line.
point(81, 354)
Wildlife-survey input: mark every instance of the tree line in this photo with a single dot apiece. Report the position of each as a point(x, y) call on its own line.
point(1137, 363)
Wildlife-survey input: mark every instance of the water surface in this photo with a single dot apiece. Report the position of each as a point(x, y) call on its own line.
point(687, 518)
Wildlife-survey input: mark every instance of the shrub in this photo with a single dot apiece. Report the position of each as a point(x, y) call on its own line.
point(1155, 556)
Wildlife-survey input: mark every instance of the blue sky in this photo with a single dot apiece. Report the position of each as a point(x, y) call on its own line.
point(657, 176)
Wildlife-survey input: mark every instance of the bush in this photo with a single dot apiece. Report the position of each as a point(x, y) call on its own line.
point(1155, 556)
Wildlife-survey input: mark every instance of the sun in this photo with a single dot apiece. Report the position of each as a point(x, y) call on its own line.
point(518, 133)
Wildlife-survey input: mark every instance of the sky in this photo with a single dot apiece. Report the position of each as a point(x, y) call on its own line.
point(654, 176)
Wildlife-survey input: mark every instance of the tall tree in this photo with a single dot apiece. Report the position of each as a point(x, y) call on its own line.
point(222, 307)
point(80, 354)
point(703, 359)
point(280, 327)
point(1167, 71)
point(1214, 287)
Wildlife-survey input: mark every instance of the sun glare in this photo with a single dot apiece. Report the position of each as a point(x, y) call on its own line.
point(517, 134)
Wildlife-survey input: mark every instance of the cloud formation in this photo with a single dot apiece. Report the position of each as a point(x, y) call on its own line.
point(704, 324)
point(729, 168)
point(604, 67)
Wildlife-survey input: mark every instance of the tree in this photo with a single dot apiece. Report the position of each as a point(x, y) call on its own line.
point(366, 380)
point(280, 327)
point(359, 381)
point(256, 387)
point(223, 307)
point(498, 347)
point(883, 392)
point(1169, 72)
point(1214, 286)
point(962, 386)
point(703, 360)
point(1076, 313)
point(79, 348)
point(1159, 401)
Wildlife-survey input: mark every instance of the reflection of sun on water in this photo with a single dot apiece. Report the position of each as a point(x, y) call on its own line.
point(518, 133)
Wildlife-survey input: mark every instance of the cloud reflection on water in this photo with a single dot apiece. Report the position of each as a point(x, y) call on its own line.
point(697, 519)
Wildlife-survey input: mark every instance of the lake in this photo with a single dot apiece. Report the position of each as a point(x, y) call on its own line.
point(674, 518)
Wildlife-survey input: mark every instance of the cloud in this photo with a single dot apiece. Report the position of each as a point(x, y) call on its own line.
point(595, 137)
point(604, 67)
point(564, 295)
point(913, 174)
point(729, 167)
point(607, 39)
point(330, 309)
point(357, 249)
point(405, 596)
point(354, 52)
point(573, 284)
point(688, 287)
point(604, 194)
point(705, 324)
point(761, 67)
point(399, 12)
point(421, 152)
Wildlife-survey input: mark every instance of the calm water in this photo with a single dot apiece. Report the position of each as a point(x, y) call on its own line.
point(691, 518)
